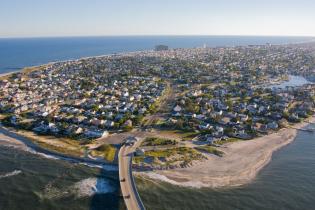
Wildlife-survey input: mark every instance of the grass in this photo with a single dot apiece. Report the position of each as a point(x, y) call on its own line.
point(154, 141)
point(182, 156)
point(108, 152)
point(227, 141)
point(62, 150)
point(185, 152)
point(187, 136)
point(183, 135)
point(67, 146)
point(159, 153)
point(211, 150)
point(138, 159)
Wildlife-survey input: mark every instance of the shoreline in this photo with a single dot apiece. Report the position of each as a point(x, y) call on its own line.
point(8, 73)
point(240, 165)
point(17, 141)
point(124, 53)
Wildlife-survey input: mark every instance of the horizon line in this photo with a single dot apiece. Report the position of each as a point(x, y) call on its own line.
point(154, 35)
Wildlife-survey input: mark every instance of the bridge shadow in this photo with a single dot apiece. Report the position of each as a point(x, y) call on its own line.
point(104, 200)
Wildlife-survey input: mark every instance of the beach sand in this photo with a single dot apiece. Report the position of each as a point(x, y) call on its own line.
point(11, 142)
point(240, 164)
point(8, 73)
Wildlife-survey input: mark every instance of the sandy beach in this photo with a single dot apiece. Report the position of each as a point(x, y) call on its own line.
point(8, 73)
point(241, 163)
point(6, 140)
point(17, 141)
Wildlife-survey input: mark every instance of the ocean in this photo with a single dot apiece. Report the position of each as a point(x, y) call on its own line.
point(16, 53)
point(31, 182)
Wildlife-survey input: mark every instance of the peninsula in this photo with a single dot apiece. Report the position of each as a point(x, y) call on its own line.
point(201, 117)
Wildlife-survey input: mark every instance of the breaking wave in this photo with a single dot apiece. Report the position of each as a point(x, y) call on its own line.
point(91, 186)
point(13, 173)
point(84, 188)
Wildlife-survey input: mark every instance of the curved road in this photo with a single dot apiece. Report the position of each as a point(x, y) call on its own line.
point(127, 184)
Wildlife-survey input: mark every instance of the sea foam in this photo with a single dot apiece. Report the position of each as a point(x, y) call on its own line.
point(159, 177)
point(90, 186)
point(13, 173)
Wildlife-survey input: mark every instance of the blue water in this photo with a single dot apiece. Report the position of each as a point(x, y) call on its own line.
point(21, 52)
point(32, 182)
point(294, 81)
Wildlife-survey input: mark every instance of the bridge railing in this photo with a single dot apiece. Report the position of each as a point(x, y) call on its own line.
point(140, 203)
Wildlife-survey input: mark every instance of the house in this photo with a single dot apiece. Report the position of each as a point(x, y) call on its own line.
point(139, 152)
point(200, 117)
point(241, 134)
point(97, 122)
point(128, 123)
point(272, 125)
point(210, 139)
point(109, 123)
point(53, 128)
point(131, 140)
point(177, 108)
point(96, 133)
point(42, 128)
point(142, 110)
point(260, 127)
point(78, 130)
point(225, 121)
point(243, 117)
point(219, 131)
point(205, 126)
point(14, 120)
point(171, 121)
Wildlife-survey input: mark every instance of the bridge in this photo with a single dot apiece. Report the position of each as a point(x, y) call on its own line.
point(127, 183)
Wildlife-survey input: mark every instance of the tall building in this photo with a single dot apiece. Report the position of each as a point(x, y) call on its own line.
point(161, 47)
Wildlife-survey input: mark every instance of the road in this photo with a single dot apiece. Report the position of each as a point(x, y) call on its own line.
point(127, 184)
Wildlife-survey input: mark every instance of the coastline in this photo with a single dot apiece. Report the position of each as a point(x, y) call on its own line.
point(240, 165)
point(8, 73)
point(17, 141)
point(125, 53)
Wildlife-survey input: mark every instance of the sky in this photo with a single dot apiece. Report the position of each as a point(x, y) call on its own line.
point(50, 18)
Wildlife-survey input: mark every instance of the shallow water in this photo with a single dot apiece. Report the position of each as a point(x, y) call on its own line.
point(29, 181)
point(287, 182)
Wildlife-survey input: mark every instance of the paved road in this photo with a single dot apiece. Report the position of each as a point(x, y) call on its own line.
point(127, 185)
